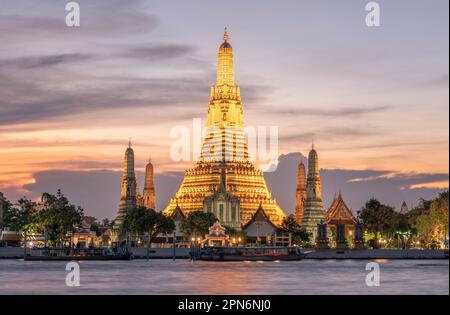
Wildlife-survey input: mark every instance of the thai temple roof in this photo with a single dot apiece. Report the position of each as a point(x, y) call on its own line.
point(260, 215)
point(339, 212)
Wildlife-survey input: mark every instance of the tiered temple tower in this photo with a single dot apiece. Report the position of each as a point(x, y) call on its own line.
point(128, 196)
point(149, 187)
point(300, 194)
point(225, 148)
point(313, 213)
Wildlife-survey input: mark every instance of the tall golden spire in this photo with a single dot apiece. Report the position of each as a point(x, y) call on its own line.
point(224, 157)
point(225, 68)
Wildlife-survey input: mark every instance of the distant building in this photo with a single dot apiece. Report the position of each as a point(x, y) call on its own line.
point(404, 208)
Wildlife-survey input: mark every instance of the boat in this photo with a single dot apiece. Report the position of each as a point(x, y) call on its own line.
point(46, 254)
point(274, 253)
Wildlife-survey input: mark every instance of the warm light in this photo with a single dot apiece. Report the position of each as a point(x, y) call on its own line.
point(198, 239)
point(193, 239)
point(234, 240)
point(239, 239)
point(351, 233)
point(30, 244)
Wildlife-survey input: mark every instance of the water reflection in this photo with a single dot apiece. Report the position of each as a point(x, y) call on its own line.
point(186, 277)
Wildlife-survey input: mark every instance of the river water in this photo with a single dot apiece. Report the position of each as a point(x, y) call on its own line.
point(186, 277)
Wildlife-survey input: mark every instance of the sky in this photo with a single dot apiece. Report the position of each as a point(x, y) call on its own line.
point(373, 99)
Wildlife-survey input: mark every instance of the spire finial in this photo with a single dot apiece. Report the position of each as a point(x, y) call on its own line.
point(129, 142)
point(225, 34)
point(312, 144)
point(149, 158)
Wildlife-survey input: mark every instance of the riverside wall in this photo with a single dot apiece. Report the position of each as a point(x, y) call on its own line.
point(182, 253)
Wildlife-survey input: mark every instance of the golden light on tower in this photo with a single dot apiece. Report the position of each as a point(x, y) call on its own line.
point(225, 148)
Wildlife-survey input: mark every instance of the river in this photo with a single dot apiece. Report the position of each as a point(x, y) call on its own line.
point(186, 277)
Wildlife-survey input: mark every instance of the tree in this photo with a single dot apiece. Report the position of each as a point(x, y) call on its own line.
point(289, 225)
point(21, 217)
point(141, 220)
point(89, 220)
point(58, 217)
point(106, 222)
point(432, 225)
point(378, 218)
point(403, 229)
point(198, 223)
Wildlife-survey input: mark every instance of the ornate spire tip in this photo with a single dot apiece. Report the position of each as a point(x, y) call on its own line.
point(225, 34)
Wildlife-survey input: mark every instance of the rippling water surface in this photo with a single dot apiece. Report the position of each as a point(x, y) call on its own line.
point(186, 277)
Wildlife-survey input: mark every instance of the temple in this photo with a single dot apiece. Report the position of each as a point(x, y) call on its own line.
point(149, 187)
point(130, 196)
point(313, 213)
point(300, 193)
point(225, 151)
point(129, 189)
point(339, 213)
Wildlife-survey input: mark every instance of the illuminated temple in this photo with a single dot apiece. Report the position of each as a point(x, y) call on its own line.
point(224, 158)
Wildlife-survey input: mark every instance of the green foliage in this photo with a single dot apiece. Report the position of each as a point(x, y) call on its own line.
point(141, 220)
point(378, 217)
point(432, 223)
point(198, 223)
point(21, 218)
point(299, 234)
point(106, 222)
point(58, 217)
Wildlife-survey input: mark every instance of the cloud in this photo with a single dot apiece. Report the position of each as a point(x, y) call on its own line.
point(437, 184)
point(39, 103)
point(328, 133)
point(97, 20)
point(43, 61)
point(159, 52)
point(336, 112)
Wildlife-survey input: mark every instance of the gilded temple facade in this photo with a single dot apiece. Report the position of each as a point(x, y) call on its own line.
point(225, 206)
point(225, 151)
